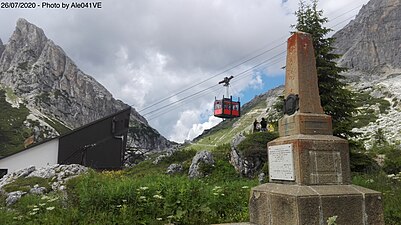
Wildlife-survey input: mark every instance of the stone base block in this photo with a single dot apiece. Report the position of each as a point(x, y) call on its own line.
point(318, 159)
point(305, 123)
point(282, 204)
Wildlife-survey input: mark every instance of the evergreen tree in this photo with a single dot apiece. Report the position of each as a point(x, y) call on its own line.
point(336, 99)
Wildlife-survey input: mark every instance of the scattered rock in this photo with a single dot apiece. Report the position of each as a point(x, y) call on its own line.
point(37, 190)
point(44, 172)
point(202, 157)
point(13, 197)
point(262, 178)
point(174, 168)
point(58, 174)
point(168, 153)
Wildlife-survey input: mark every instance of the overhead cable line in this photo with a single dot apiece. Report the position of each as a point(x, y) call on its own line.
point(218, 74)
point(201, 91)
point(239, 76)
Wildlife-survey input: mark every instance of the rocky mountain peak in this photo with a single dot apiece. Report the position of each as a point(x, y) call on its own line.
point(53, 87)
point(372, 40)
point(28, 37)
point(1, 47)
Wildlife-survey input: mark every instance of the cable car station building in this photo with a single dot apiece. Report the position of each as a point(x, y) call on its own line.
point(100, 145)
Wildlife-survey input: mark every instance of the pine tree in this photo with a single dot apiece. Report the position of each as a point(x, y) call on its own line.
point(336, 99)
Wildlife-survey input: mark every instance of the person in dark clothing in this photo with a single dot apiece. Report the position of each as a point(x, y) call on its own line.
point(263, 124)
point(255, 126)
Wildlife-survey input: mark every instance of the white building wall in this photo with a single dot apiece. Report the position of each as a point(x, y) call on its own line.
point(38, 156)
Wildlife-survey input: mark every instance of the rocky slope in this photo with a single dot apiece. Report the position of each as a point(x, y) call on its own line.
point(39, 75)
point(259, 107)
point(371, 49)
point(372, 40)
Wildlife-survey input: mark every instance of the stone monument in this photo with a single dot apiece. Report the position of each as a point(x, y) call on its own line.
point(309, 168)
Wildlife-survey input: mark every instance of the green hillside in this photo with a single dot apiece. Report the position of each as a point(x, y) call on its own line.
point(224, 132)
point(12, 129)
point(16, 127)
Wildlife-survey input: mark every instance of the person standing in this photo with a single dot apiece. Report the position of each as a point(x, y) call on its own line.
point(255, 126)
point(263, 124)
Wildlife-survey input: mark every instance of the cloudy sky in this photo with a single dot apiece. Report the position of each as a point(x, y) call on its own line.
point(152, 53)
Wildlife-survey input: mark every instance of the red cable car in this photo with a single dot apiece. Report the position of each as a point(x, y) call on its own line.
point(226, 107)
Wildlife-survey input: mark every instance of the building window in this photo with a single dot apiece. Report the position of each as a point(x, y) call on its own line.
point(3, 172)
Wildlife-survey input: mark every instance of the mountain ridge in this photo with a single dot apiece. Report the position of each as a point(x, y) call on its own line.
point(37, 72)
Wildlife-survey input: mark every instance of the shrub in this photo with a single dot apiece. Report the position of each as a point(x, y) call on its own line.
point(362, 163)
point(391, 191)
point(392, 162)
point(255, 144)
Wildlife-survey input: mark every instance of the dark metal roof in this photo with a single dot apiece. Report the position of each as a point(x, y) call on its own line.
point(68, 133)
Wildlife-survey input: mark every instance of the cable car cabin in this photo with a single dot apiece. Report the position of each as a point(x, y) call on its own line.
point(227, 108)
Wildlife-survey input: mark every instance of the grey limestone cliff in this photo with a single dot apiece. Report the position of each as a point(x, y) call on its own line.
point(1, 47)
point(370, 46)
point(41, 73)
point(373, 39)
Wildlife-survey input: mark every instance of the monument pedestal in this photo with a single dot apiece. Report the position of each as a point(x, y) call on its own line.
point(317, 159)
point(281, 204)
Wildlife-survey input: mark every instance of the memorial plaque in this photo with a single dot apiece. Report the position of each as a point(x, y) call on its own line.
point(281, 164)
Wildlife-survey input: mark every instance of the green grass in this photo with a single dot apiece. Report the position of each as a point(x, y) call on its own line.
point(145, 195)
point(25, 184)
point(12, 130)
point(59, 127)
point(391, 191)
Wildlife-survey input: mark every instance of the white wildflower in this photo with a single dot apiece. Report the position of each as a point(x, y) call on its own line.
point(52, 200)
point(158, 196)
point(45, 197)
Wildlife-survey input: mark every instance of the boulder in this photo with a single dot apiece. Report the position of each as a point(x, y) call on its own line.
point(174, 168)
point(13, 197)
point(37, 190)
point(202, 157)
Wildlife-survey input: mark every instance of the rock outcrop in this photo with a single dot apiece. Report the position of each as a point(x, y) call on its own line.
point(370, 46)
point(245, 166)
point(40, 72)
point(1, 47)
point(201, 159)
point(372, 40)
point(174, 168)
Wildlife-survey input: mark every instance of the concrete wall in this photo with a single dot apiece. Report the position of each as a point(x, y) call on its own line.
point(38, 156)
